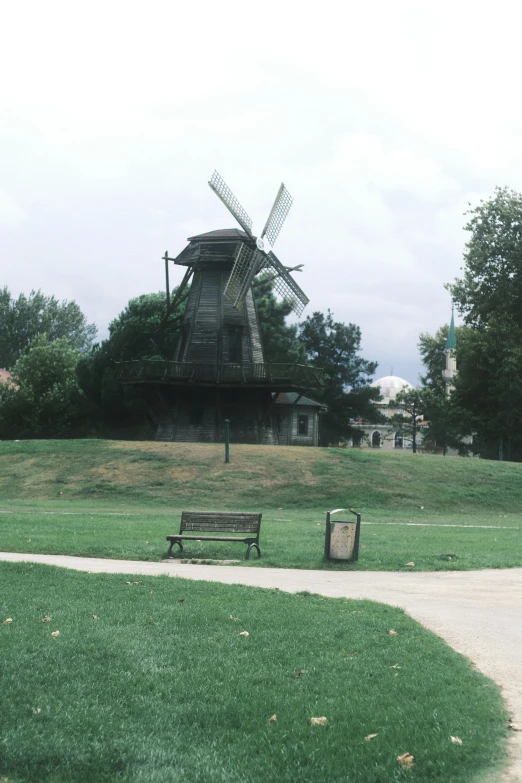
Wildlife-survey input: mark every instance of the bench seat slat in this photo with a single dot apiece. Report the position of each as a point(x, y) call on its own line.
point(209, 538)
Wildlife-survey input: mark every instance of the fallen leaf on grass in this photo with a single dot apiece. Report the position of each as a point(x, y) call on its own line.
point(514, 726)
point(411, 564)
point(151, 622)
point(36, 710)
point(391, 632)
point(94, 616)
point(8, 621)
point(28, 540)
point(244, 633)
point(134, 583)
point(272, 719)
point(406, 761)
point(46, 619)
point(181, 601)
point(299, 673)
point(370, 737)
point(456, 740)
point(395, 666)
point(55, 634)
point(318, 721)
point(234, 619)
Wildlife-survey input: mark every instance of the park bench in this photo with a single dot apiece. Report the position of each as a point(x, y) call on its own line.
point(214, 524)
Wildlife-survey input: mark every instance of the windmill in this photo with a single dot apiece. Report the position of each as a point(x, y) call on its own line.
point(255, 257)
point(219, 370)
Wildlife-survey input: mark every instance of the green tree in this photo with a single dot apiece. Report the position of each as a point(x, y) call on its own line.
point(448, 424)
point(23, 319)
point(410, 404)
point(43, 399)
point(334, 347)
point(489, 295)
point(143, 330)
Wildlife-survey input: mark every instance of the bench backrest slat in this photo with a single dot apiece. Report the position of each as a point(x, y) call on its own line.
point(220, 522)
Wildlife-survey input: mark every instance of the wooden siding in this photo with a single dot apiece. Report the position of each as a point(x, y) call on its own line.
point(208, 317)
point(203, 341)
point(251, 419)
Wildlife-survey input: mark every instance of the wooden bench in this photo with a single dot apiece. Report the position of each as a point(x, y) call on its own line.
point(214, 524)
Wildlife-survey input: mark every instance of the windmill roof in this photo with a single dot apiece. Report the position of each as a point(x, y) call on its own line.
point(291, 398)
point(221, 233)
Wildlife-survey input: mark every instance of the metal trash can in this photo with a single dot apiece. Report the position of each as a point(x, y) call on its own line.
point(342, 537)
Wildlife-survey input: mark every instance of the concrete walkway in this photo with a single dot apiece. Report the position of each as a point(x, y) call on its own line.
point(479, 613)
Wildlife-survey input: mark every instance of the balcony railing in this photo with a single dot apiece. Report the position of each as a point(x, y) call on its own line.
point(291, 375)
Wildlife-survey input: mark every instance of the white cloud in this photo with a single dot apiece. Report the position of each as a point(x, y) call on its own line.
point(12, 216)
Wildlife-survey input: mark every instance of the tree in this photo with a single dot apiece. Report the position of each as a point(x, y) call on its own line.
point(280, 343)
point(143, 330)
point(43, 399)
point(448, 424)
point(348, 396)
point(410, 404)
point(23, 319)
point(489, 295)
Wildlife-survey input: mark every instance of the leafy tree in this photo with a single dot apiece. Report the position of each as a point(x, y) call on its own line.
point(143, 330)
point(23, 319)
point(43, 399)
point(280, 343)
point(489, 295)
point(334, 347)
point(410, 404)
point(448, 424)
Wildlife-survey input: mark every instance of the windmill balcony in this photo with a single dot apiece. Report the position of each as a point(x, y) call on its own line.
point(290, 376)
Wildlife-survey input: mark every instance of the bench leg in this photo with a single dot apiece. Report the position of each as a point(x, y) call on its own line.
point(172, 544)
point(247, 556)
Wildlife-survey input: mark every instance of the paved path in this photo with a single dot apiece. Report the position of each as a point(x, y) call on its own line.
point(479, 613)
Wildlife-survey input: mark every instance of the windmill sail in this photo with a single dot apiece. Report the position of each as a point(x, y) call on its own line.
point(283, 202)
point(246, 266)
point(286, 286)
point(223, 192)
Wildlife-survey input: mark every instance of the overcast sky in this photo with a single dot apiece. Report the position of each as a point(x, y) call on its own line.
point(383, 119)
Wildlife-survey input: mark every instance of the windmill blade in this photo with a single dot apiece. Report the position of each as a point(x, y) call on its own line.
point(223, 192)
point(283, 202)
point(286, 286)
point(246, 265)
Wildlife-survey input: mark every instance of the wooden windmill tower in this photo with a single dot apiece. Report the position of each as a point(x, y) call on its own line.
point(219, 369)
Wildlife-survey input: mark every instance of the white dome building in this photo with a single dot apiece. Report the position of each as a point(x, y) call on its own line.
point(390, 386)
point(384, 436)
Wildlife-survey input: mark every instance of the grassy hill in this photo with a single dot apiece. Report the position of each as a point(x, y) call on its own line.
point(120, 499)
point(273, 477)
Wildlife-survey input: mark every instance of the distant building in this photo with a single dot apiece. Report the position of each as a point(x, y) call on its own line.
point(385, 436)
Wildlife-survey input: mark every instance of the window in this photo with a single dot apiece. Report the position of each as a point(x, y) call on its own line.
point(302, 424)
point(376, 439)
point(399, 443)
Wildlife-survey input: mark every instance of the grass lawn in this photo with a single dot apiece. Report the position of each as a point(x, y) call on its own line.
point(152, 682)
point(120, 500)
